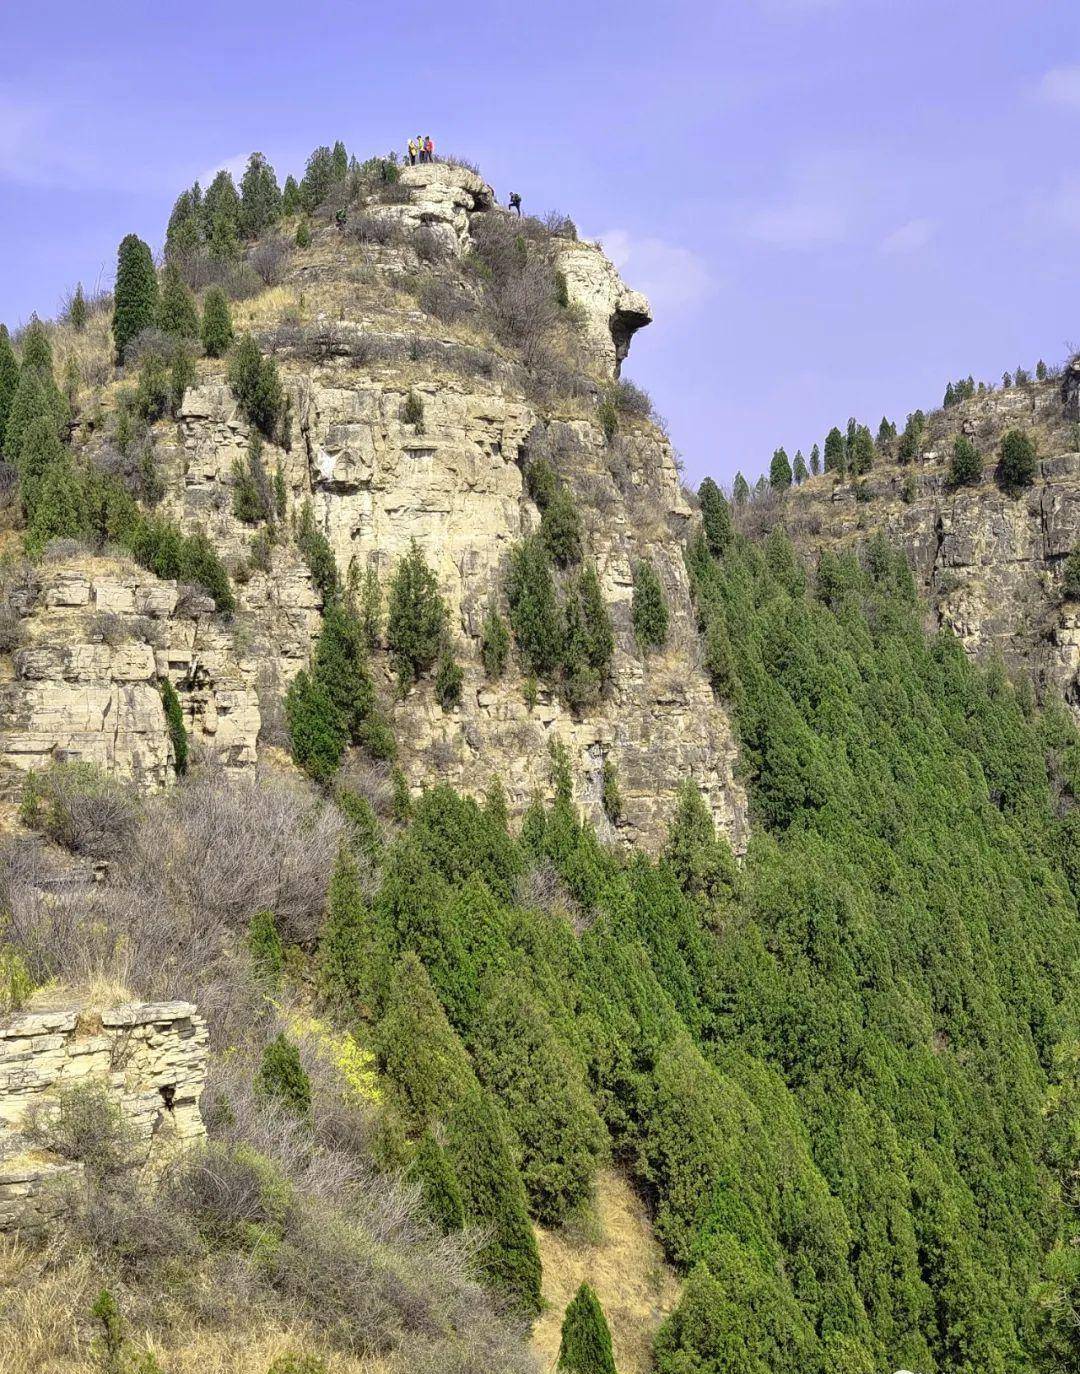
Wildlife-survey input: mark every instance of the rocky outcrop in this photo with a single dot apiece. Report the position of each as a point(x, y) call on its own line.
point(150, 1058)
point(352, 349)
point(990, 562)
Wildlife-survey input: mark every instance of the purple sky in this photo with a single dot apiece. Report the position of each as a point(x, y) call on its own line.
point(835, 205)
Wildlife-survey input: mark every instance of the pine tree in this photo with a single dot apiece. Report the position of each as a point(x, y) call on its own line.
point(77, 311)
point(418, 1049)
point(217, 329)
point(586, 1341)
point(291, 203)
point(648, 609)
point(862, 452)
point(36, 348)
point(136, 294)
point(494, 1199)
point(265, 947)
point(177, 313)
point(318, 178)
point(494, 642)
point(346, 949)
point(599, 635)
point(702, 863)
point(220, 209)
point(39, 451)
point(835, 452)
point(1041, 372)
point(339, 160)
point(184, 235)
point(174, 722)
point(282, 1076)
point(9, 380)
point(315, 731)
point(1017, 465)
point(440, 1195)
point(780, 471)
point(534, 611)
point(799, 470)
point(260, 197)
point(715, 517)
point(815, 461)
point(740, 490)
point(417, 617)
point(966, 465)
point(58, 510)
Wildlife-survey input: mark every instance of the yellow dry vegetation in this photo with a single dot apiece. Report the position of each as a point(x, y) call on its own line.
point(45, 1302)
point(622, 1262)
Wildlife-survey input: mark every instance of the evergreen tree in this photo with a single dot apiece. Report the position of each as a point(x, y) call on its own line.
point(39, 452)
point(419, 1051)
point(886, 435)
point(585, 1347)
point(1041, 372)
point(184, 235)
point(599, 636)
point(303, 234)
point(780, 471)
point(265, 948)
point(494, 642)
point(702, 864)
point(715, 517)
point(291, 203)
point(217, 328)
point(58, 512)
point(966, 465)
point(861, 454)
point(1016, 467)
point(260, 198)
point(835, 452)
point(439, 1191)
point(177, 313)
point(815, 461)
point(346, 948)
point(315, 731)
point(318, 178)
point(416, 619)
point(77, 311)
point(256, 384)
point(740, 490)
point(221, 217)
point(560, 528)
point(283, 1077)
point(648, 609)
point(135, 299)
point(174, 722)
point(534, 612)
point(494, 1199)
point(339, 161)
point(9, 381)
point(799, 469)
point(36, 348)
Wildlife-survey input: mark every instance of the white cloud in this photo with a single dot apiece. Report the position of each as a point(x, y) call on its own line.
point(815, 210)
point(671, 276)
point(909, 237)
point(234, 165)
point(1061, 86)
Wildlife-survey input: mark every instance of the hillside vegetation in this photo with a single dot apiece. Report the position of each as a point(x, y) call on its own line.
point(842, 1073)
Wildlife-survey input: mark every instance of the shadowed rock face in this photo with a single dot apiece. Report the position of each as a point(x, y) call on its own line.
point(375, 483)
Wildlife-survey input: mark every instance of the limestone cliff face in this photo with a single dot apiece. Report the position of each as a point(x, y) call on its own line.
point(351, 345)
point(990, 563)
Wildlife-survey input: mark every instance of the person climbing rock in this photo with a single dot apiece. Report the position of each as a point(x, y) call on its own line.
point(515, 203)
point(412, 152)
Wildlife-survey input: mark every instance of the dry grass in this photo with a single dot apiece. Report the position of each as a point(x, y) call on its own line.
point(625, 1266)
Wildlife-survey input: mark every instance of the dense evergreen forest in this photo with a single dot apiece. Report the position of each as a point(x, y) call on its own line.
point(844, 1074)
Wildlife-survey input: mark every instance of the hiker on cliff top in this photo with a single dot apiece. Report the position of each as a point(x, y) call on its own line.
point(515, 203)
point(412, 152)
point(429, 149)
point(419, 147)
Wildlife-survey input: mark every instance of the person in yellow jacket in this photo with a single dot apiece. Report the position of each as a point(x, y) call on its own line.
point(412, 152)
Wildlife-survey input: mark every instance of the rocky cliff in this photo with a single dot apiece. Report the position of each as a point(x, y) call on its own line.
point(357, 323)
point(990, 561)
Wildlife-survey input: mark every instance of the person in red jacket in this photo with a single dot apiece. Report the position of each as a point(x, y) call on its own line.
point(429, 149)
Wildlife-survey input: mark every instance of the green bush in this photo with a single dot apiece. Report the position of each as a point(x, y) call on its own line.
point(412, 411)
point(16, 984)
point(610, 795)
point(152, 393)
point(431, 1170)
point(494, 1199)
point(494, 642)
point(416, 620)
point(135, 296)
point(265, 947)
point(965, 466)
point(177, 312)
point(174, 723)
point(78, 312)
point(608, 416)
point(1070, 585)
point(253, 497)
point(316, 735)
point(182, 375)
point(257, 387)
point(449, 677)
point(1016, 468)
point(541, 482)
point(560, 528)
point(316, 552)
point(534, 611)
point(648, 607)
point(365, 833)
point(217, 327)
point(282, 1076)
point(585, 1347)
point(303, 234)
point(346, 947)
